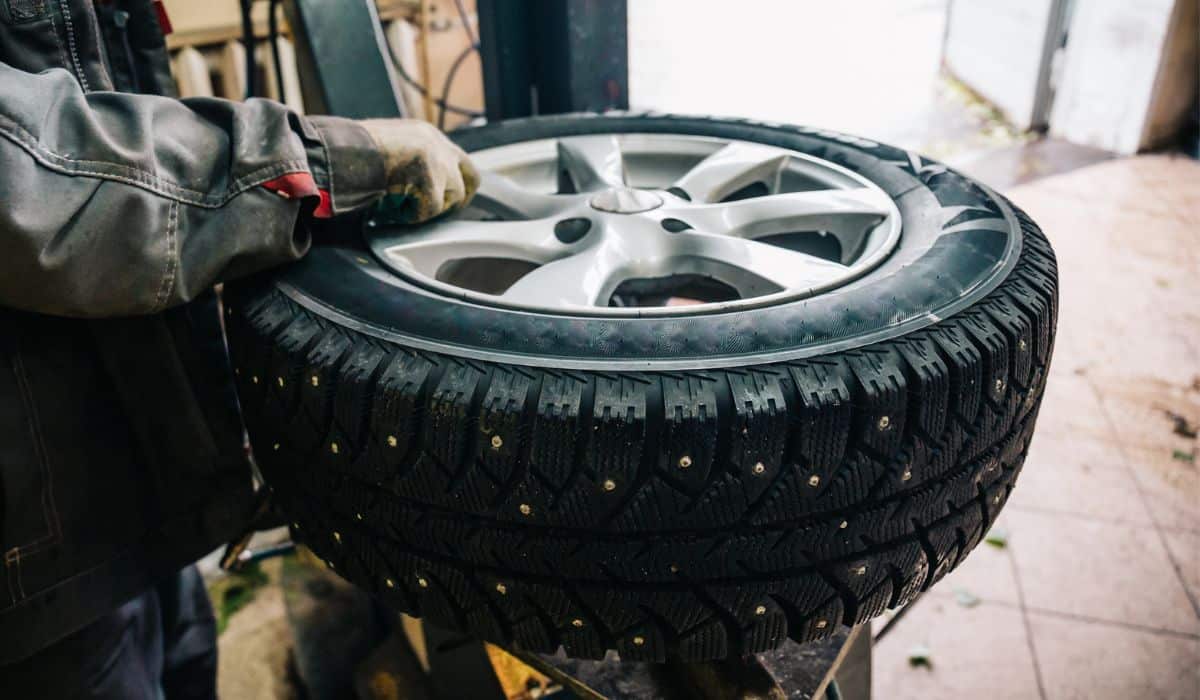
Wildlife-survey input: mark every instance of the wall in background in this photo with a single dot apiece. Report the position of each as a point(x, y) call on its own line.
point(998, 48)
point(1129, 78)
point(868, 67)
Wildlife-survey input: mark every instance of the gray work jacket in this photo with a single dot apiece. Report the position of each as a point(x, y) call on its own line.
point(121, 451)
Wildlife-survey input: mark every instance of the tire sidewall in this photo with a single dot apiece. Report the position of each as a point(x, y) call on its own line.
point(959, 241)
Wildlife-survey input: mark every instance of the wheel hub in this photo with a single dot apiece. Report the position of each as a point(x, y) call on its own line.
point(625, 200)
point(648, 224)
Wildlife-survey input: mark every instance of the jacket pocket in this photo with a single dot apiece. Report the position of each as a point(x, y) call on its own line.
point(28, 517)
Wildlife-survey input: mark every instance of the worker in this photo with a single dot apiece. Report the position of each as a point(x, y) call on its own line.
point(121, 447)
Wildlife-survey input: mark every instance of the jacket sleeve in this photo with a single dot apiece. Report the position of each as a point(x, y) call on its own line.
point(114, 204)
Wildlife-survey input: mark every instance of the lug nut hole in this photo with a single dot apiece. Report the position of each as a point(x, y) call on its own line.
point(678, 192)
point(571, 230)
point(675, 225)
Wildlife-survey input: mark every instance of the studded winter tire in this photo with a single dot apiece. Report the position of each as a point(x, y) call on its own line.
point(673, 386)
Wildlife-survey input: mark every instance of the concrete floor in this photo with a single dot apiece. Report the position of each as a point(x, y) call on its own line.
point(1097, 593)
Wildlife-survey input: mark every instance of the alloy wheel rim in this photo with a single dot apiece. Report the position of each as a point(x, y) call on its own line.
point(648, 225)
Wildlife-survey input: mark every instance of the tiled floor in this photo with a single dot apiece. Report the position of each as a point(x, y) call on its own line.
point(1097, 593)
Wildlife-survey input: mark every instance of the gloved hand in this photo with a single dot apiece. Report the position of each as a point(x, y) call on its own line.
point(423, 164)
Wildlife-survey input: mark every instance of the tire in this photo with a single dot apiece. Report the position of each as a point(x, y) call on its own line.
point(694, 488)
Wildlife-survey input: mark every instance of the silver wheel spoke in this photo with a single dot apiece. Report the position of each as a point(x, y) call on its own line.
point(587, 278)
point(644, 214)
point(731, 168)
point(844, 213)
point(592, 162)
point(786, 269)
point(454, 240)
point(505, 197)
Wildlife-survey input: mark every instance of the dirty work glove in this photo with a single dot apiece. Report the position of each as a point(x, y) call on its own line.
point(424, 166)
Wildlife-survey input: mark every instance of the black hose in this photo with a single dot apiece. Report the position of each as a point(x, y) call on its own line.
point(273, 35)
point(441, 122)
point(421, 89)
point(248, 42)
point(462, 16)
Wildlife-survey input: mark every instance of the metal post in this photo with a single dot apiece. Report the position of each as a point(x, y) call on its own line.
point(344, 60)
point(553, 57)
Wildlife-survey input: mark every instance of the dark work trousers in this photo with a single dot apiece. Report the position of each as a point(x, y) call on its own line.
point(162, 644)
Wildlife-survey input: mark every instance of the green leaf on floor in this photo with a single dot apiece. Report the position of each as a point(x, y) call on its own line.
point(966, 598)
point(997, 537)
point(920, 655)
point(1184, 456)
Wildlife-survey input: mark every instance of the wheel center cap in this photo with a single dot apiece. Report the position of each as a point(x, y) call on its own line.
point(625, 200)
